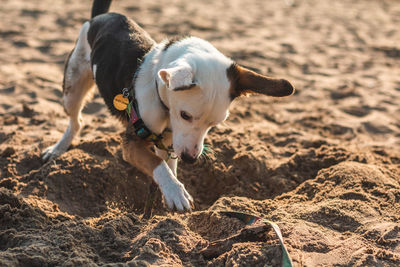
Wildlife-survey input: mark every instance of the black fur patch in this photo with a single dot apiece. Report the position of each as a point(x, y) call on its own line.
point(173, 40)
point(118, 47)
point(100, 7)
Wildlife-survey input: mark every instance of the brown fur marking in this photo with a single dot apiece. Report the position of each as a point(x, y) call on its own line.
point(65, 90)
point(138, 153)
point(244, 81)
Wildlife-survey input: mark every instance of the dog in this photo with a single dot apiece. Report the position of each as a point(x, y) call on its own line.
point(167, 94)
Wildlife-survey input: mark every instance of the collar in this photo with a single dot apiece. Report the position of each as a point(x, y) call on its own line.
point(132, 111)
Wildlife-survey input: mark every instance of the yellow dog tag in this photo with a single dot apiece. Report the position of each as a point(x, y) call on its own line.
point(120, 102)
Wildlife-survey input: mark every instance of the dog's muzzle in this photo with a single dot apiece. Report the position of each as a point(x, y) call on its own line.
point(188, 158)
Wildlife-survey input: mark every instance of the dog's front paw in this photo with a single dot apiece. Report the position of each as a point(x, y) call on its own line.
point(51, 153)
point(176, 196)
point(174, 192)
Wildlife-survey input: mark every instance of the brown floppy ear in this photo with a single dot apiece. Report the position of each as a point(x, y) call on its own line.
point(244, 81)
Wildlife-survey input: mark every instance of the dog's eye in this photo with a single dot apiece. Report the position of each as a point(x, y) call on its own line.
point(186, 116)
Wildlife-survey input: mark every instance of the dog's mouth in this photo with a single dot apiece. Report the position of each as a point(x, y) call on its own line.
point(187, 158)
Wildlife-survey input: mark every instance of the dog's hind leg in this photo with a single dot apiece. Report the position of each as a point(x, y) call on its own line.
point(78, 82)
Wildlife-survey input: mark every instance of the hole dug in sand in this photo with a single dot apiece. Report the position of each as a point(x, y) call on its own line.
point(235, 172)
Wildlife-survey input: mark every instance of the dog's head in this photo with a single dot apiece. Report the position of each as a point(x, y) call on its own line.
point(200, 84)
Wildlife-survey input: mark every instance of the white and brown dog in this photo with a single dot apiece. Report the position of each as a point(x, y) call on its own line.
point(184, 84)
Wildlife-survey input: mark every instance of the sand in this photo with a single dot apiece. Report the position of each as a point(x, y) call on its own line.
point(324, 164)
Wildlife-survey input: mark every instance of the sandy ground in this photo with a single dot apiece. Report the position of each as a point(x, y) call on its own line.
point(323, 164)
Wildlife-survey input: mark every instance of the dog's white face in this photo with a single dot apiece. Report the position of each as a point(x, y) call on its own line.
point(199, 89)
point(192, 114)
point(198, 98)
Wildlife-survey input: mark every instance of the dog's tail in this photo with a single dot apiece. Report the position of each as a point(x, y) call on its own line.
point(100, 7)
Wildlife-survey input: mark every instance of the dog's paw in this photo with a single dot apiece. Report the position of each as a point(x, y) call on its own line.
point(51, 153)
point(176, 196)
point(174, 192)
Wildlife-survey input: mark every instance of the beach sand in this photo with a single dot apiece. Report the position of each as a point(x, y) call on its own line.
point(324, 164)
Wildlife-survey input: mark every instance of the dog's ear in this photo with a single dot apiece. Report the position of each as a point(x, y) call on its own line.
point(177, 78)
point(245, 81)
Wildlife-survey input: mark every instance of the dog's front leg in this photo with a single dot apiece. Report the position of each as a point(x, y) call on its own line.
point(174, 192)
point(138, 153)
point(172, 159)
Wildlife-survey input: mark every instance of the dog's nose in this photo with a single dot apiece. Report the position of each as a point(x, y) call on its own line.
point(186, 157)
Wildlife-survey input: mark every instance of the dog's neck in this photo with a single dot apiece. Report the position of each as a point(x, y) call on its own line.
point(150, 101)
